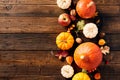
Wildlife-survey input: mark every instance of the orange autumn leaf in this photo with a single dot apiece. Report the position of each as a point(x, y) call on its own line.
point(69, 59)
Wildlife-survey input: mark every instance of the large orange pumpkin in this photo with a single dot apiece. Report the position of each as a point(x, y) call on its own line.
point(88, 56)
point(86, 8)
point(64, 40)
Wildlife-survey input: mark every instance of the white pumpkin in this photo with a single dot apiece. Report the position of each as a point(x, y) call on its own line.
point(67, 71)
point(64, 4)
point(90, 30)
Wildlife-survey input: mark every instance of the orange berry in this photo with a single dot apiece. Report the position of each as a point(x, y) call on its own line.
point(97, 76)
point(73, 25)
point(71, 28)
point(69, 59)
point(101, 42)
point(68, 30)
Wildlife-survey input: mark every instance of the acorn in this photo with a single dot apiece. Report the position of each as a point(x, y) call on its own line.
point(78, 40)
point(73, 12)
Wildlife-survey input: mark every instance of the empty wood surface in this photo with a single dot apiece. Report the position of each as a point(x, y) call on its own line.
point(28, 29)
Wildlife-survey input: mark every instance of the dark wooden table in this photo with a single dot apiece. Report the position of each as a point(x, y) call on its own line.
point(28, 29)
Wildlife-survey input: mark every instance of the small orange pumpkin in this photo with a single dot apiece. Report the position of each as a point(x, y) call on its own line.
point(88, 56)
point(81, 76)
point(64, 40)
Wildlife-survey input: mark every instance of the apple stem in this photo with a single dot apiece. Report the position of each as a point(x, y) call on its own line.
point(90, 4)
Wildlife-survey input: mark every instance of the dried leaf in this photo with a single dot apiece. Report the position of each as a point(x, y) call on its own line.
point(61, 54)
point(80, 24)
point(105, 50)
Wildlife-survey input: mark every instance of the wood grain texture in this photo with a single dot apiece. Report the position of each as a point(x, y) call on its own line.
point(48, 25)
point(38, 77)
point(18, 63)
point(28, 29)
point(27, 42)
point(35, 41)
point(43, 2)
point(23, 64)
point(30, 10)
point(111, 24)
point(48, 10)
point(30, 25)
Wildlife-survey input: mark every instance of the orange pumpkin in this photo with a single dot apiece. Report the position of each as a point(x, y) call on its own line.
point(88, 56)
point(64, 40)
point(86, 8)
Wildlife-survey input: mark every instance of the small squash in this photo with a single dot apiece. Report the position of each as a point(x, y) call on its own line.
point(88, 56)
point(90, 30)
point(81, 76)
point(64, 40)
point(67, 71)
point(64, 4)
point(86, 8)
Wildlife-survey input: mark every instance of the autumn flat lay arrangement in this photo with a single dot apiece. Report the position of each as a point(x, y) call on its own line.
point(83, 45)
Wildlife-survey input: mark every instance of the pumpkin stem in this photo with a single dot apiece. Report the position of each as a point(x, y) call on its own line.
point(90, 4)
point(84, 58)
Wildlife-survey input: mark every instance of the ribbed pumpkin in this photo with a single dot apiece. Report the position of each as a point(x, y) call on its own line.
point(81, 76)
point(64, 40)
point(86, 8)
point(88, 56)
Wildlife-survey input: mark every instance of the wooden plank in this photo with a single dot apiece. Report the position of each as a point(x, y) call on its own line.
point(48, 10)
point(17, 70)
point(36, 63)
point(34, 77)
point(29, 63)
point(27, 42)
point(104, 2)
point(28, 57)
point(110, 68)
point(110, 71)
point(28, 2)
point(30, 25)
point(43, 41)
point(106, 10)
point(98, 2)
point(111, 24)
point(30, 10)
point(113, 40)
point(110, 76)
point(104, 77)
point(115, 59)
point(48, 25)
point(35, 57)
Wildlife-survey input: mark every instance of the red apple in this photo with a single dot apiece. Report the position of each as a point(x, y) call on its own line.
point(64, 19)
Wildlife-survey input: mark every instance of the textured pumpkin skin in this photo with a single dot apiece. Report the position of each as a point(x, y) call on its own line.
point(83, 10)
point(81, 76)
point(64, 40)
point(88, 56)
